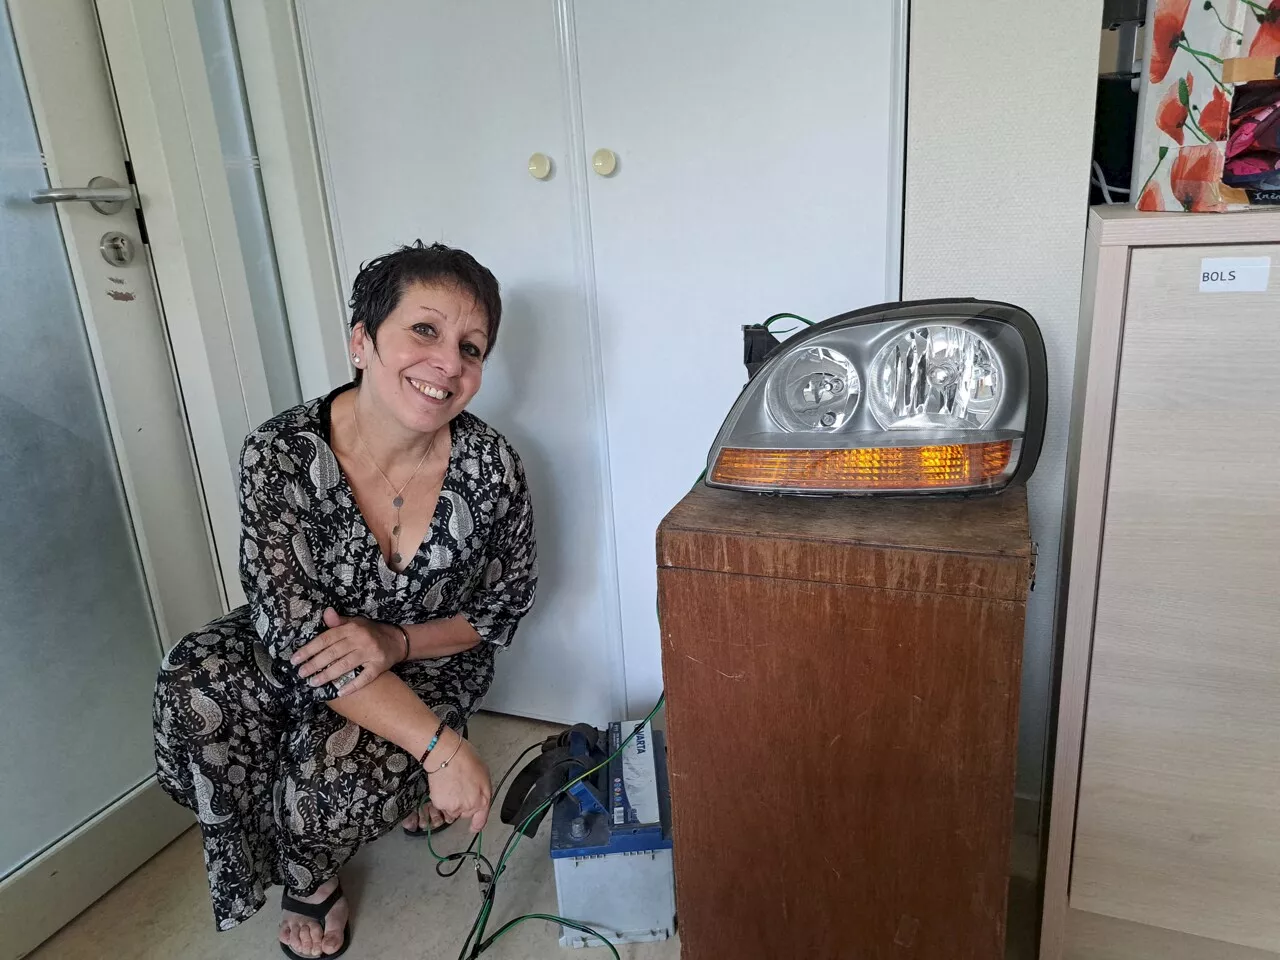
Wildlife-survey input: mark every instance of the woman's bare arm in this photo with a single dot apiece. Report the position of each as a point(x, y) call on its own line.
point(440, 638)
point(390, 709)
point(372, 647)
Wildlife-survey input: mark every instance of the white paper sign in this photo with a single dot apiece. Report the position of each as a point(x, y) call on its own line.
point(1234, 274)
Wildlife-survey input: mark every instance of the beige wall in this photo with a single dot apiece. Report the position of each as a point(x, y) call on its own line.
point(999, 136)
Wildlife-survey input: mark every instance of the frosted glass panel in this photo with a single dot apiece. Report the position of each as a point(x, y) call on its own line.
point(244, 180)
point(78, 643)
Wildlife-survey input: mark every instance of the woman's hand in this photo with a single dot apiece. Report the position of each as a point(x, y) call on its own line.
point(349, 642)
point(463, 788)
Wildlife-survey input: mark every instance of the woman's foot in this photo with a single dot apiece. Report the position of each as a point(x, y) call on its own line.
point(419, 819)
point(306, 937)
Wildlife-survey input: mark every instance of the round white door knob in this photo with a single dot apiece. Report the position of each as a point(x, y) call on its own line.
point(540, 166)
point(604, 162)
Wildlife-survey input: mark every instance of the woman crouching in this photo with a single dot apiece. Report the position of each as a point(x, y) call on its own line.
point(387, 551)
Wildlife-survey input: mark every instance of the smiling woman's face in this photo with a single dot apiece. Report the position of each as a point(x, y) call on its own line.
point(429, 355)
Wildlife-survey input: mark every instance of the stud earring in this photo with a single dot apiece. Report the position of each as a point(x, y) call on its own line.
point(355, 358)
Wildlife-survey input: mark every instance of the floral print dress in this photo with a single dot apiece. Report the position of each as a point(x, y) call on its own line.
point(285, 789)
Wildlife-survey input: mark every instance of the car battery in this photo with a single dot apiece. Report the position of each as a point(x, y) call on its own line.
point(611, 845)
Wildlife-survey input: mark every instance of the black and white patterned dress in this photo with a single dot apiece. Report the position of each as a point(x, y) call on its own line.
point(285, 789)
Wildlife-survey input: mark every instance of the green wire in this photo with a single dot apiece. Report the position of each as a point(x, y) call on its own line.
point(478, 840)
point(482, 917)
point(440, 859)
point(787, 316)
point(571, 924)
point(565, 789)
point(477, 855)
point(477, 929)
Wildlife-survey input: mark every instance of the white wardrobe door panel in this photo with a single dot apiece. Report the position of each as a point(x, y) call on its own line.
point(428, 114)
point(753, 145)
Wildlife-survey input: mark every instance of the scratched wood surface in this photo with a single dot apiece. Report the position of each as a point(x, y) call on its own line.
point(842, 755)
point(977, 547)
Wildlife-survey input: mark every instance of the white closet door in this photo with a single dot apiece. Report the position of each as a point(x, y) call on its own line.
point(427, 114)
point(754, 176)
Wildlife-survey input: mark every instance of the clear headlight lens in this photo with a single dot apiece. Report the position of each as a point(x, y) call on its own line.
point(815, 389)
point(936, 376)
point(928, 397)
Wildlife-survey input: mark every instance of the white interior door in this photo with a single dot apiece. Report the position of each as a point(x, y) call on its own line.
point(104, 552)
point(427, 115)
point(757, 156)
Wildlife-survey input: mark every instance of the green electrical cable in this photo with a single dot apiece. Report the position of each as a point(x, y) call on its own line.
point(475, 944)
point(519, 832)
point(571, 924)
point(474, 849)
point(787, 316)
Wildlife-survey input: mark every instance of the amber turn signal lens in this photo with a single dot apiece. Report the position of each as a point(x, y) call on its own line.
point(956, 465)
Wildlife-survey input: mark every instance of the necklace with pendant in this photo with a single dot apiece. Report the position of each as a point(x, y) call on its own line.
point(397, 498)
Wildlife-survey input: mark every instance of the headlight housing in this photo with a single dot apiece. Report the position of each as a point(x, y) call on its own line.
point(932, 396)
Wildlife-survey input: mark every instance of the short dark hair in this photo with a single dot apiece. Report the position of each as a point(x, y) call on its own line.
point(381, 282)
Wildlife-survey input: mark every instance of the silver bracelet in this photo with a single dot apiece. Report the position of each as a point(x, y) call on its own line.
point(446, 762)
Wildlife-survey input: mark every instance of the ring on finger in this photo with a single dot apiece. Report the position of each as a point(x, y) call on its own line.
point(337, 665)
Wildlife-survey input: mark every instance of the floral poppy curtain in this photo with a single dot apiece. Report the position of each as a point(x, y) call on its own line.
point(1186, 124)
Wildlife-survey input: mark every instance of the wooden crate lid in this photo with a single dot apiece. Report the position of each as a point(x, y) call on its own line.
point(979, 547)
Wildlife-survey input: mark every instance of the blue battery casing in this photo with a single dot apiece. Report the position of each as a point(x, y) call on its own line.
point(629, 825)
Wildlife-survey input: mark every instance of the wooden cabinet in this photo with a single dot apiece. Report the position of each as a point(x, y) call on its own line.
point(1168, 758)
point(842, 680)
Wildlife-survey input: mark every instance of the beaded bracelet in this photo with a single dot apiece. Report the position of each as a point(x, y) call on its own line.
point(422, 761)
point(449, 759)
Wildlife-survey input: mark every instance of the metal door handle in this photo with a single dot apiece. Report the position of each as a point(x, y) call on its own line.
point(62, 194)
point(103, 193)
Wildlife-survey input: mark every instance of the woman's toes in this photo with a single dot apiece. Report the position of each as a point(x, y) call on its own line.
point(307, 946)
point(335, 925)
point(300, 936)
point(411, 821)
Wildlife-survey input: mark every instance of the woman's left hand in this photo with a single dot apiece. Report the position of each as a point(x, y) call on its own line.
point(348, 643)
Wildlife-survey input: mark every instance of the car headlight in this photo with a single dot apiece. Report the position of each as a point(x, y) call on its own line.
point(927, 397)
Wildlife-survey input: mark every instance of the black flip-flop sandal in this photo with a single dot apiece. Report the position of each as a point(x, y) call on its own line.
point(420, 832)
point(317, 912)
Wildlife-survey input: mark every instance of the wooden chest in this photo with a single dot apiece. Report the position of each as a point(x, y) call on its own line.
point(842, 680)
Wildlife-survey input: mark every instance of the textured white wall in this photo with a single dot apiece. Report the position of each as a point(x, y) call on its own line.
point(999, 136)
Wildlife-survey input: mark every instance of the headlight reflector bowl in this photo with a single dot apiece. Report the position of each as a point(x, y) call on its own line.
point(816, 388)
point(935, 376)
